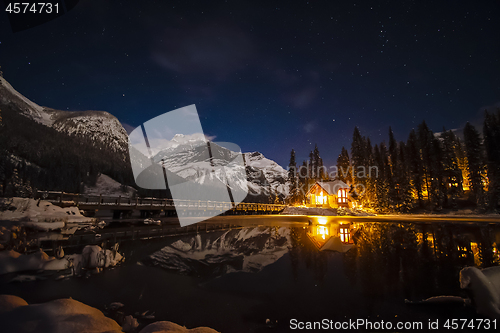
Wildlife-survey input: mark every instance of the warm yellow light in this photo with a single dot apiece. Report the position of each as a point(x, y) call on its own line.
point(323, 231)
point(322, 220)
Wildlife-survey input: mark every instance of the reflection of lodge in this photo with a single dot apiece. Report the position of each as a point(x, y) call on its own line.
point(335, 236)
point(328, 195)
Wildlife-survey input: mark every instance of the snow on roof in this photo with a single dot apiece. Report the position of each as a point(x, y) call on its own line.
point(330, 187)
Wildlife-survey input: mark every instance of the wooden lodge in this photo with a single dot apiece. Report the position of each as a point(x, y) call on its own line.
point(332, 194)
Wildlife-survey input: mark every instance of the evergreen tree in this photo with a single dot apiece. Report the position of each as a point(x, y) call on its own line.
point(344, 167)
point(318, 163)
point(451, 171)
point(405, 188)
point(393, 172)
point(381, 183)
point(303, 180)
point(414, 161)
point(476, 163)
point(312, 166)
point(372, 174)
point(425, 138)
point(491, 132)
point(359, 160)
point(292, 179)
point(463, 165)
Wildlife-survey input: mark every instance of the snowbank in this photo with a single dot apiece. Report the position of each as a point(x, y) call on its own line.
point(309, 211)
point(62, 315)
point(41, 215)
point(68, 315)
point(169, 327)
point(485, 287)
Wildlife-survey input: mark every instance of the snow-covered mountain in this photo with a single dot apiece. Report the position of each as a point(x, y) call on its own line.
point(100, 126)
point(187, 156)
point(265, 174)
point(217, 253)
point(184, 155)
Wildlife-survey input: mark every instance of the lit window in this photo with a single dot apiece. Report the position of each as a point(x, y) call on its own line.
point(322, 231)
point(321, 199)
point(342, 195)
point(345, 235)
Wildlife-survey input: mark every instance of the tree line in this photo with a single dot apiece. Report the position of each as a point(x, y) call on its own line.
point(428, 170)
point(34, 156)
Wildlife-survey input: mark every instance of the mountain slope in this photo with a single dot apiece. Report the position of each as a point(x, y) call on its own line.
point(57, 149)
point(99, 126)
point(190, 159)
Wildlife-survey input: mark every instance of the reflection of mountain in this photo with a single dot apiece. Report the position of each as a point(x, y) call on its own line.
point(218, 253)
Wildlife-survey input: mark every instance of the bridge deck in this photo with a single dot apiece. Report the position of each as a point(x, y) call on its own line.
point(96, 202)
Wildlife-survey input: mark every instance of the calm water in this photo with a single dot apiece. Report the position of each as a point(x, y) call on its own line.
point(233, 280)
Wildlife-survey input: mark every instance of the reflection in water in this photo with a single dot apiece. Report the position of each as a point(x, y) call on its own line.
point(422, 260)
point(379, 260)
point(217, 253)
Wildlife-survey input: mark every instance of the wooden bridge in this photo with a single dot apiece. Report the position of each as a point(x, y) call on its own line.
point(126, 205)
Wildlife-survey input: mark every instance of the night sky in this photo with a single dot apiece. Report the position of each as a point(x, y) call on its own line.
point(267, 75)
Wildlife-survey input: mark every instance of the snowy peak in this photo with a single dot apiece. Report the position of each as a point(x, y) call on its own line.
point(99, 126)
point(8, 95)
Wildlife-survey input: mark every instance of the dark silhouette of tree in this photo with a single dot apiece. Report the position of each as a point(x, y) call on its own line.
point(491, 132)
point(293, 186)
point(475, 162)
point(344, 167)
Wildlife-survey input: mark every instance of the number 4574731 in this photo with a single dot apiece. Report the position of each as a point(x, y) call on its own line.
point(32, 7)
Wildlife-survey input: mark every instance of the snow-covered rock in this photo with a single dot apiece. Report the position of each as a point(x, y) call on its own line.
point(12, 261)
point(485, 287)
point(41, 215)
point(169, 327)
point(58, 316)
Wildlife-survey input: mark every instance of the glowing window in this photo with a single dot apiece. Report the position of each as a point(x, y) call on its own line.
point(321, 199)
point(342, 195)
point(322, 231)
point(345, 235)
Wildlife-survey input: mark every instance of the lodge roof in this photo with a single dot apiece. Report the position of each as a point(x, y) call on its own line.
point(330, 187)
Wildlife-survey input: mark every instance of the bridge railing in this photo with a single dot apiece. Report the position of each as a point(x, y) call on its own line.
point(103, 201)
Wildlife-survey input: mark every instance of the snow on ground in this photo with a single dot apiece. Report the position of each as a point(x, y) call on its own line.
point(41, 215)
point(169, 327)
point(67, 315)
point(107, 186)
point(323, 211)
point(61, 315)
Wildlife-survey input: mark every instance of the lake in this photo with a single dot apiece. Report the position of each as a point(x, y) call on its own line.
point(234, 280)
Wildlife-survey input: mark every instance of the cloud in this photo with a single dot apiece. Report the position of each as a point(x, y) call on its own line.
point(303, 98)
point(214, 50)
point(310, 126)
